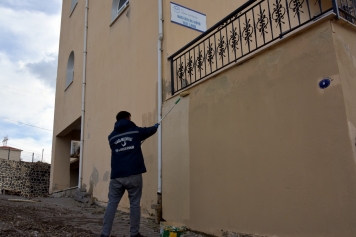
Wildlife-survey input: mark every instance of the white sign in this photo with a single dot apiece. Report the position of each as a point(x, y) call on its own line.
point(188, 17)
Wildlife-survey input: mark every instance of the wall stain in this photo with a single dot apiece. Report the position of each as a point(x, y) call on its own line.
point(347, 49)
point(147, 119)
point(166, 89)
point(106, 176)
point(94, 180)
point(55, 187)
point(322, 37)
point(220, 85)
point(345, 46)
point(352, 134)
point(271, 59)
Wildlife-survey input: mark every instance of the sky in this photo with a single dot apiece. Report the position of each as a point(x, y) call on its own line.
point(29, 42)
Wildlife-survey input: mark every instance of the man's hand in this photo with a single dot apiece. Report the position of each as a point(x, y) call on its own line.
point(157, 125)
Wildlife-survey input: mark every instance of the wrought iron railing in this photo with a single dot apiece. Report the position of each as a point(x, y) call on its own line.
point(346, 9)
point(246, 30)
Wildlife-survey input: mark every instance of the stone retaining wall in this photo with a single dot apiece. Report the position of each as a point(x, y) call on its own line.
point(30, 179)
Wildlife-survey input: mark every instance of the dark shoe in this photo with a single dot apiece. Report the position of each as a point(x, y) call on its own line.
point(103, 236)
point(138, 235)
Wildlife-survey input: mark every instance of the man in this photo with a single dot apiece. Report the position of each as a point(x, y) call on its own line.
point(127, 166)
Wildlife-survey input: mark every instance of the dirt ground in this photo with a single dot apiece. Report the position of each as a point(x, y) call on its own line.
point(61, 217)
point(57, 217)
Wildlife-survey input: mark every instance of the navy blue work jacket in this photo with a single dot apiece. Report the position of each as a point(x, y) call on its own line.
point(125, 143)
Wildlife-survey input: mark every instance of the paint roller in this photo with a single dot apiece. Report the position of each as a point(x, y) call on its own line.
point(181, 95)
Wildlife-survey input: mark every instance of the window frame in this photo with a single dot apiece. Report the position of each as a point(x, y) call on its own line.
point(70, 70)
point(73, 5)
point(116, 12)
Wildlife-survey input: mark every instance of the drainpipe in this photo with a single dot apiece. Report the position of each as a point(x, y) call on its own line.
point(159, 91)
point(83, 96)
point(158, 206)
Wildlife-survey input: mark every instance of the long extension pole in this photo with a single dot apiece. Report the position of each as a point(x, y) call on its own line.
point(169, 111)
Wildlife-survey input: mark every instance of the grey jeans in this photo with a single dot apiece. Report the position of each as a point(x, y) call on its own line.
point(117, 187)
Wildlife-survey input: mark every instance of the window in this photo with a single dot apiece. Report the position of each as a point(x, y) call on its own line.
point(121, 5)
point(70, 70)
point(118, 6)
point(72, 6)
point(74, 149)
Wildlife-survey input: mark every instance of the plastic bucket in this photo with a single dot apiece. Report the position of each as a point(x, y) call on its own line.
point(172, 229)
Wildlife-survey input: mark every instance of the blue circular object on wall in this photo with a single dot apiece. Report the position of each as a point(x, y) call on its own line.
point(324, 83)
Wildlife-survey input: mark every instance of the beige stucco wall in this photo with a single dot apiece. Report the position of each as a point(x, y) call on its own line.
point(60, 174)
point(121, 75)
point(14, 155)
point(68, 100)
point(345, 47)
point(261, 149)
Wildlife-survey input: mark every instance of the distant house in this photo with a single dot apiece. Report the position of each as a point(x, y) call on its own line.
point(10, 153)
